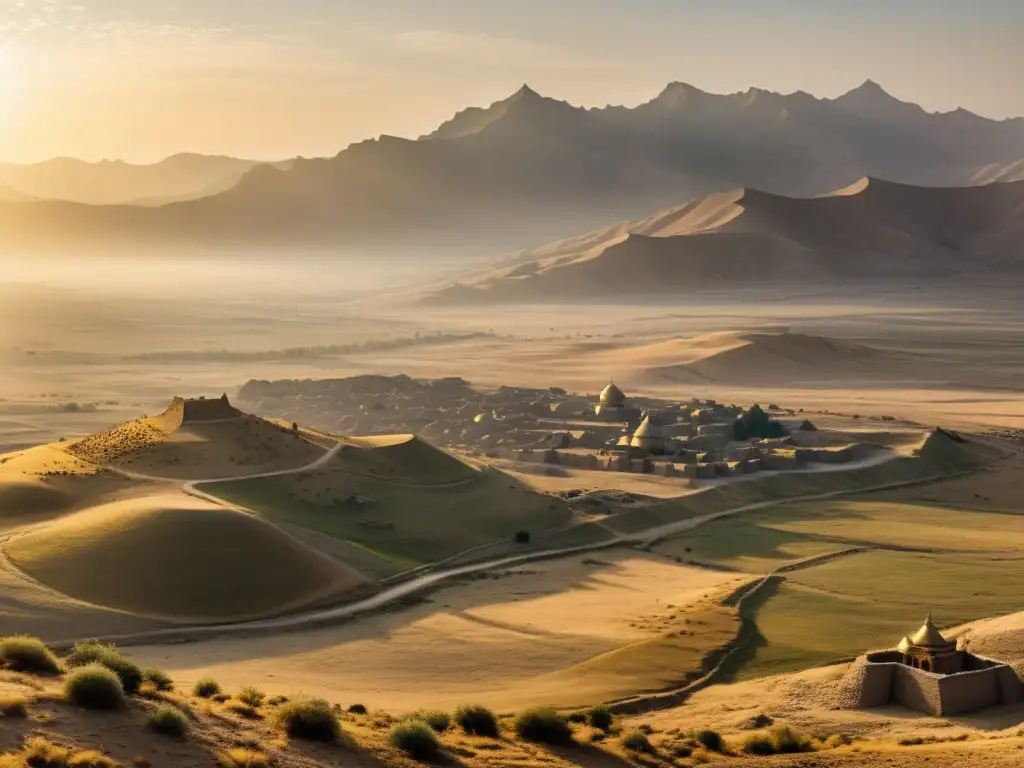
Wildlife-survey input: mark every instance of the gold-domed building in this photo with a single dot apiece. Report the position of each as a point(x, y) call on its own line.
point(611, 402)
point(929, 651)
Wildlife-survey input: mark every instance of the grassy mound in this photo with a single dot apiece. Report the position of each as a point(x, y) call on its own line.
point(170, 721)
point(544, 726)
point(94, 687)
point(21, 653)
point(311, 719)
point(92, 652)
point(404, 458)
point(178, 557)
point(416, 739)
point(407, 503)
point(477, 721)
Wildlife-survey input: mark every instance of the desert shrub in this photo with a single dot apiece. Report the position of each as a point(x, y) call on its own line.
point(544, 726)
point(438, 721)
point(93, 652)
point(220, 698)
point(357, 709)
point(637, 741)
point(786, 740)
point(600, 718)
point(251, 696)
point(779, 740)
point(21, 653)
point(40, 752)
point(149, 690)
point(13, 706)
point(477, 721)
point(757, 744)
point(416, 739)
point(760, 720)
point(276, 701)
point(159, 678)
point(835, 740)
point(242, 709)
point(206, 688)
point(580, 718)
point(243, 758)
point(710, 739)
point(170, 721)
point(311, 719)
point(13, 760)
point(90, 758)
point(94, 686)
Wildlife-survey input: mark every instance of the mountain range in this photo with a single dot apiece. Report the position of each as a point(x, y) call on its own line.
point(529, 169)
point(113, 182)
point(868, 232)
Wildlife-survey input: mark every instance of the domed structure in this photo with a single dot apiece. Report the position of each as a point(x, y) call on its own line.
point(928, 650)
point(612, 396)
point(648, 437)
point(611, 403)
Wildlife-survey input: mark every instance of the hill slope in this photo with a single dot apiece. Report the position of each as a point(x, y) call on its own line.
point(530, 168)
point(872, 230)
point(168, 446)
point(177, 557)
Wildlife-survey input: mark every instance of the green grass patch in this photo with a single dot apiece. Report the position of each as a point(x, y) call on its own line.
point(412, 524)
point(870, 600)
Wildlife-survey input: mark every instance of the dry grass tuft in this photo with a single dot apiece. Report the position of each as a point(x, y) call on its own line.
point(13, 706)
point(310, 719)
point(21, 653)
point(244, 758)
point(94, 687)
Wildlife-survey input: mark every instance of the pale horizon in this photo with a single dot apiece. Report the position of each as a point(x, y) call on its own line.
point(138, 81)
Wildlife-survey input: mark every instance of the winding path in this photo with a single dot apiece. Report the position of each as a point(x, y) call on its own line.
point(430, 580)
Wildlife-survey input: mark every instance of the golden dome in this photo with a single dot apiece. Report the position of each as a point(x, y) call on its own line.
point(613, 396)
point(904, 645)
point(928, 635)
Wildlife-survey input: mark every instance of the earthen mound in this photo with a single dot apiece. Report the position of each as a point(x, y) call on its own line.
point(176, 557)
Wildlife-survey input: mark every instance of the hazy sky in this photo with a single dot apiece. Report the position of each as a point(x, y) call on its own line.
point(141, 79)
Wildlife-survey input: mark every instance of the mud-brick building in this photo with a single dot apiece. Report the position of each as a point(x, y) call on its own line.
point(931, 674)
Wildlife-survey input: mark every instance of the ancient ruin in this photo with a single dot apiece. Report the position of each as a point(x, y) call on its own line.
point(930, 674)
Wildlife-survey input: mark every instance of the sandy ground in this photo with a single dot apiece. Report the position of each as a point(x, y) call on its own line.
point(490, 640)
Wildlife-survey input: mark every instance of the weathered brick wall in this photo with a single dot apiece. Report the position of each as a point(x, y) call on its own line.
point(969, 690)
point(917, 690)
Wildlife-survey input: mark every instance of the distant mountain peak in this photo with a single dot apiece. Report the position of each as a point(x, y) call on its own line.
point(526, 93)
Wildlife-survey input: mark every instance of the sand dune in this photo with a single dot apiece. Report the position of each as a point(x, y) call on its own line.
point(868, 231)
point(178, 557)
point(766, 358)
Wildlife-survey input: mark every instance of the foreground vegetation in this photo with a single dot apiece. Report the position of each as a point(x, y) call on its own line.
point(100, 676)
